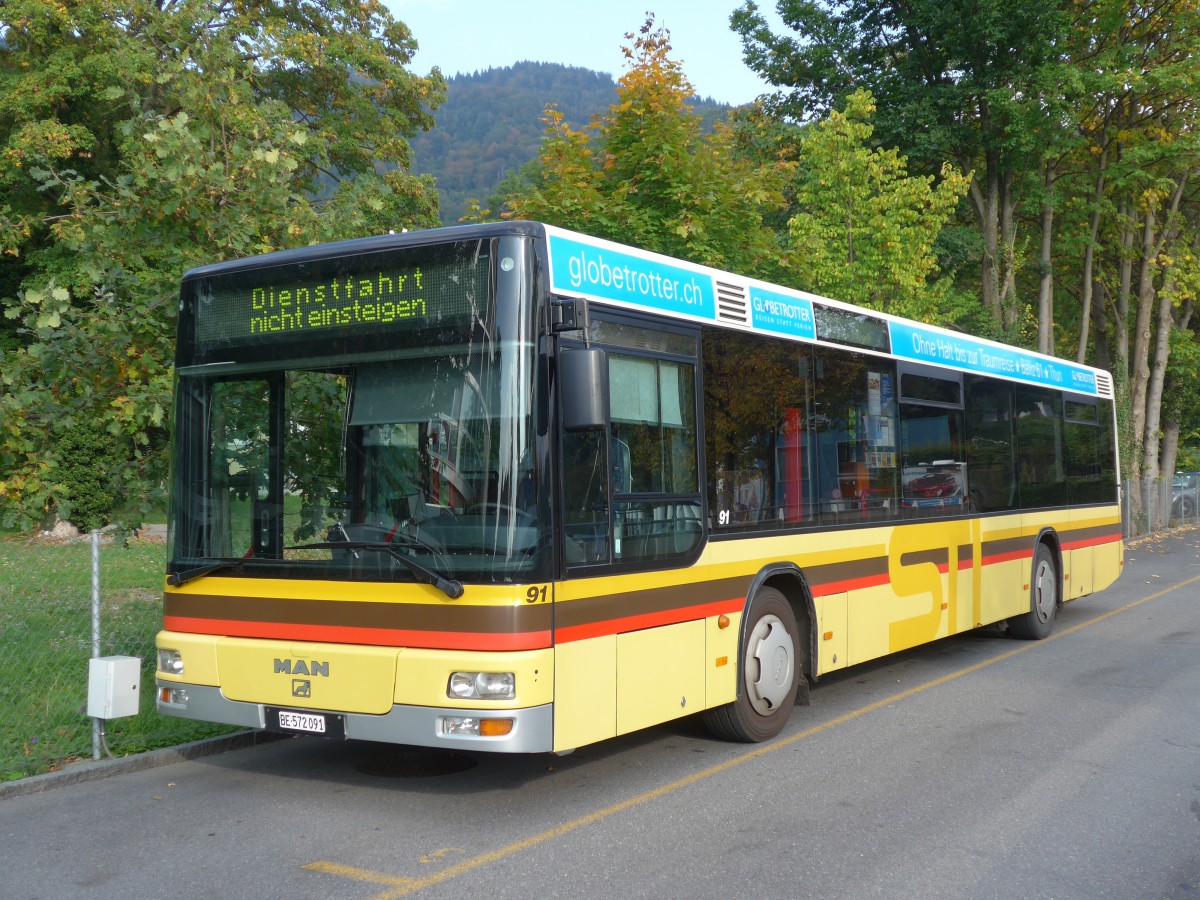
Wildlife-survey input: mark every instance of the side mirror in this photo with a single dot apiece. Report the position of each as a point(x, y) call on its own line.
point(583, 389)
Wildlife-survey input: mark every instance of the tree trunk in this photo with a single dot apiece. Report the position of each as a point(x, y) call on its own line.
point(1089, 265)
point(986, 201)
point(1170, 450)
point(1045, 339)
point(1139, 363)
point(1152, 446)
point(1125, 286)
point(1008, 235)
point(1102, 351)
point(1146, 387)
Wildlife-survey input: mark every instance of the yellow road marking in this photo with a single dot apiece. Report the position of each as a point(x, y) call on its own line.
point(402, 887)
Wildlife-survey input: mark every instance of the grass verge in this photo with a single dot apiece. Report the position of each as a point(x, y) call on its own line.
point(45, 645)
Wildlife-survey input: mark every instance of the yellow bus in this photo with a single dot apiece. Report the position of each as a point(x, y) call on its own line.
point(512, 488)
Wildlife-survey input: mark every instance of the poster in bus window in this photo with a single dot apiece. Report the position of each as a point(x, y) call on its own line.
point(941, 483)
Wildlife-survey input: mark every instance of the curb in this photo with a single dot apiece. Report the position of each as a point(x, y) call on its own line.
point(77, 773)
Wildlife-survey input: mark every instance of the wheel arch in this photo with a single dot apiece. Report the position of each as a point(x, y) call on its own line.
point(789, 580)
point(1053, 542)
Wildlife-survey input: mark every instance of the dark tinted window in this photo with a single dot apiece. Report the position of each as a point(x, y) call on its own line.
point(757, 412)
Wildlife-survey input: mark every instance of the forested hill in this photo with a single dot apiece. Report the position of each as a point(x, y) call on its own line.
point(491, 125)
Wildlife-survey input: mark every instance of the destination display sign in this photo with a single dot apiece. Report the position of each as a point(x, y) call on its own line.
point(386, 291)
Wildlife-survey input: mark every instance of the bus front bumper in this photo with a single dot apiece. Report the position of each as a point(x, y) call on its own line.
point(420, 726)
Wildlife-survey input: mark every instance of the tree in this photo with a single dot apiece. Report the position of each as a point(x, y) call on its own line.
point(1136, 164)
point(864, 230)
point(967, 80)
point(1078, 120)
point(646, 173)
point(142, 140)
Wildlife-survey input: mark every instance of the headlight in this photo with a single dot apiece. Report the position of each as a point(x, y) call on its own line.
point(170, 662)
point(482, 686)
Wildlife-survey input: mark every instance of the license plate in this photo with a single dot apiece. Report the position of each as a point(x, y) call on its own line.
point(298, 722)
point(302, 722)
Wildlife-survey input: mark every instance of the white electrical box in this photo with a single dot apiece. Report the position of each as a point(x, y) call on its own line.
point(114, 686)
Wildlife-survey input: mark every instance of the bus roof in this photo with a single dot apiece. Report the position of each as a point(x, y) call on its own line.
point(582, 266)
point(611, 273)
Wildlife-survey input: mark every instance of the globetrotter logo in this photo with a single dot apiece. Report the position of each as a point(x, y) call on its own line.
point(612, 275)
point(782, 313)
point(596, 272)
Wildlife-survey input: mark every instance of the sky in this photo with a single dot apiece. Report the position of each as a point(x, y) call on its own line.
point(464, 36)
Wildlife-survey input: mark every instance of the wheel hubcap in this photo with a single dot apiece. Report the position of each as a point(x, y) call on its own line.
point(1045, 591)
point(770, 668)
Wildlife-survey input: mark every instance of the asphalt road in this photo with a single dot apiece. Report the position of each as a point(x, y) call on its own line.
point(975, 767)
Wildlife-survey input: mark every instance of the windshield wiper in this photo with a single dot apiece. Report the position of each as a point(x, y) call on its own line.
point(448, 586)
point(187, 575)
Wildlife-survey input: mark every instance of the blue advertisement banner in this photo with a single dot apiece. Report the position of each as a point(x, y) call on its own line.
point(973, 355)
point(607, 274)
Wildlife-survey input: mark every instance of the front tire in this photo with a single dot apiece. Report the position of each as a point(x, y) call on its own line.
point(1043, 599)
point(768, 673)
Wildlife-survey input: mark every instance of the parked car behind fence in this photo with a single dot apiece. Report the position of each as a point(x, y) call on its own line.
point(1185, 496)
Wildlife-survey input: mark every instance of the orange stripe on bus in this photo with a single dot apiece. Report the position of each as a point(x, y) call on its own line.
point(850, 584)
point(647, 620)
point(1092, 542)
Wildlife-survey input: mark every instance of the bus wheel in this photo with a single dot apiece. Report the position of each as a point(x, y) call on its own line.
point(1043, 599)
point(769, 674)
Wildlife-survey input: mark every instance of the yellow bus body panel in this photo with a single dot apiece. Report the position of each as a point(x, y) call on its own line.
point(721, 660)
point(585, 692)
point(342, 677)
point(199, 654)
point(422, 676)
point(660, 675)
point(832, 643)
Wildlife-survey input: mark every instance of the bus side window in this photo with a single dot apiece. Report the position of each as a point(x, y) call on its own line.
point(990, 446)
point(653, 452)
point(585, 495)
point(1040, 468)
point(757, 415)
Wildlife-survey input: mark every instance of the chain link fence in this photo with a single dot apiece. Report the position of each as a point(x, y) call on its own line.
point(1157, 503)
point(46, 643)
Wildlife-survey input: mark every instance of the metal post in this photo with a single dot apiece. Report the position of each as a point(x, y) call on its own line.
point(95, 629)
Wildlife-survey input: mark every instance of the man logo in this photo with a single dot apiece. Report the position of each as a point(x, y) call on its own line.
point(301, 688)
point(313, 668)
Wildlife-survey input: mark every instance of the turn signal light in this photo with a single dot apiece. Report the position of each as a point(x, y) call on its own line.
point(472, 726)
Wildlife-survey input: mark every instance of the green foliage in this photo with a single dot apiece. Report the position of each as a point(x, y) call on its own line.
point(864, 230)
point(646, 173)
point(980, 83)
point(951, 77)
point(89, 458)
point(490, 126)
point(141, 141)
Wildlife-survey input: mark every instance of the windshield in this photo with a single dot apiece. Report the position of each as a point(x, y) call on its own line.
point(413, 464)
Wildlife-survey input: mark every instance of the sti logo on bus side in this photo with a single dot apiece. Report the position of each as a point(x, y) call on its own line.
point(301, 667)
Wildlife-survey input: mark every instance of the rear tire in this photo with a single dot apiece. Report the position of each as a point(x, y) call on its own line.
point(1043, 599)
point(768, 674)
